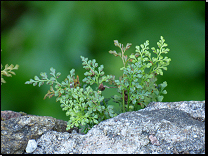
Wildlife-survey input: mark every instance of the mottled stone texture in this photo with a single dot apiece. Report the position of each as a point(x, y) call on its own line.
point(6, 115)
point(17, 130)
point(162, 127)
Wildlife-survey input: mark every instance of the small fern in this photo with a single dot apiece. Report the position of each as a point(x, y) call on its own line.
point(8, 71)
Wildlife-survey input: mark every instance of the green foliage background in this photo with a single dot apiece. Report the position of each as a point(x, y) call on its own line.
point(38, 35)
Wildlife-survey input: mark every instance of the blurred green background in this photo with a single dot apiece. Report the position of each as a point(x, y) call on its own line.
point(38, 35)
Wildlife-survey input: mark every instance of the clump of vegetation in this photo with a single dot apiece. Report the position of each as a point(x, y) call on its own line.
point(86, 106)
point(7, 71)
point(138, 84)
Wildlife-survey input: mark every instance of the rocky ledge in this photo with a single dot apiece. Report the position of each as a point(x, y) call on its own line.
point(162, 128)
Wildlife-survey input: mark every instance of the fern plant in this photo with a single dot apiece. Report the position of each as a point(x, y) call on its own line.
point(138, 84)
point(7, 71)
point(86, 106)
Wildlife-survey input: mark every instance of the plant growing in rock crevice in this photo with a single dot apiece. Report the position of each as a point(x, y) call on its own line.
point(137, 86)
point(138, 83)
point(84, 105)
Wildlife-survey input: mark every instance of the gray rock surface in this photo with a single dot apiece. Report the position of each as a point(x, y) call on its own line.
point(162, 127)
point(17, 130)
point(196, 109)
point(6, 115)
point(31, 146)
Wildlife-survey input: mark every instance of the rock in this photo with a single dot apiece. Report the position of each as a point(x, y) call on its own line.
point(31, 146)
point(154, 140)
point(196, 109)
point(162, 128)
point(5, 115)
point(17, 131)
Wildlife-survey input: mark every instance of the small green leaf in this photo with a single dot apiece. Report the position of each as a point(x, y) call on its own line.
point(95, 121)
point(164, 92)
point(35, 83)
point(57, 75)
point(72, 72)
point(132, 57)
point(149, 65)
point(117, 44)
point(52, 73)
point(44, 75)
point(113, 52)
point(160, 98)
point(100, 68)
point(163, 85)
point(41, 83)
point(36, 78)
point(128, 45)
